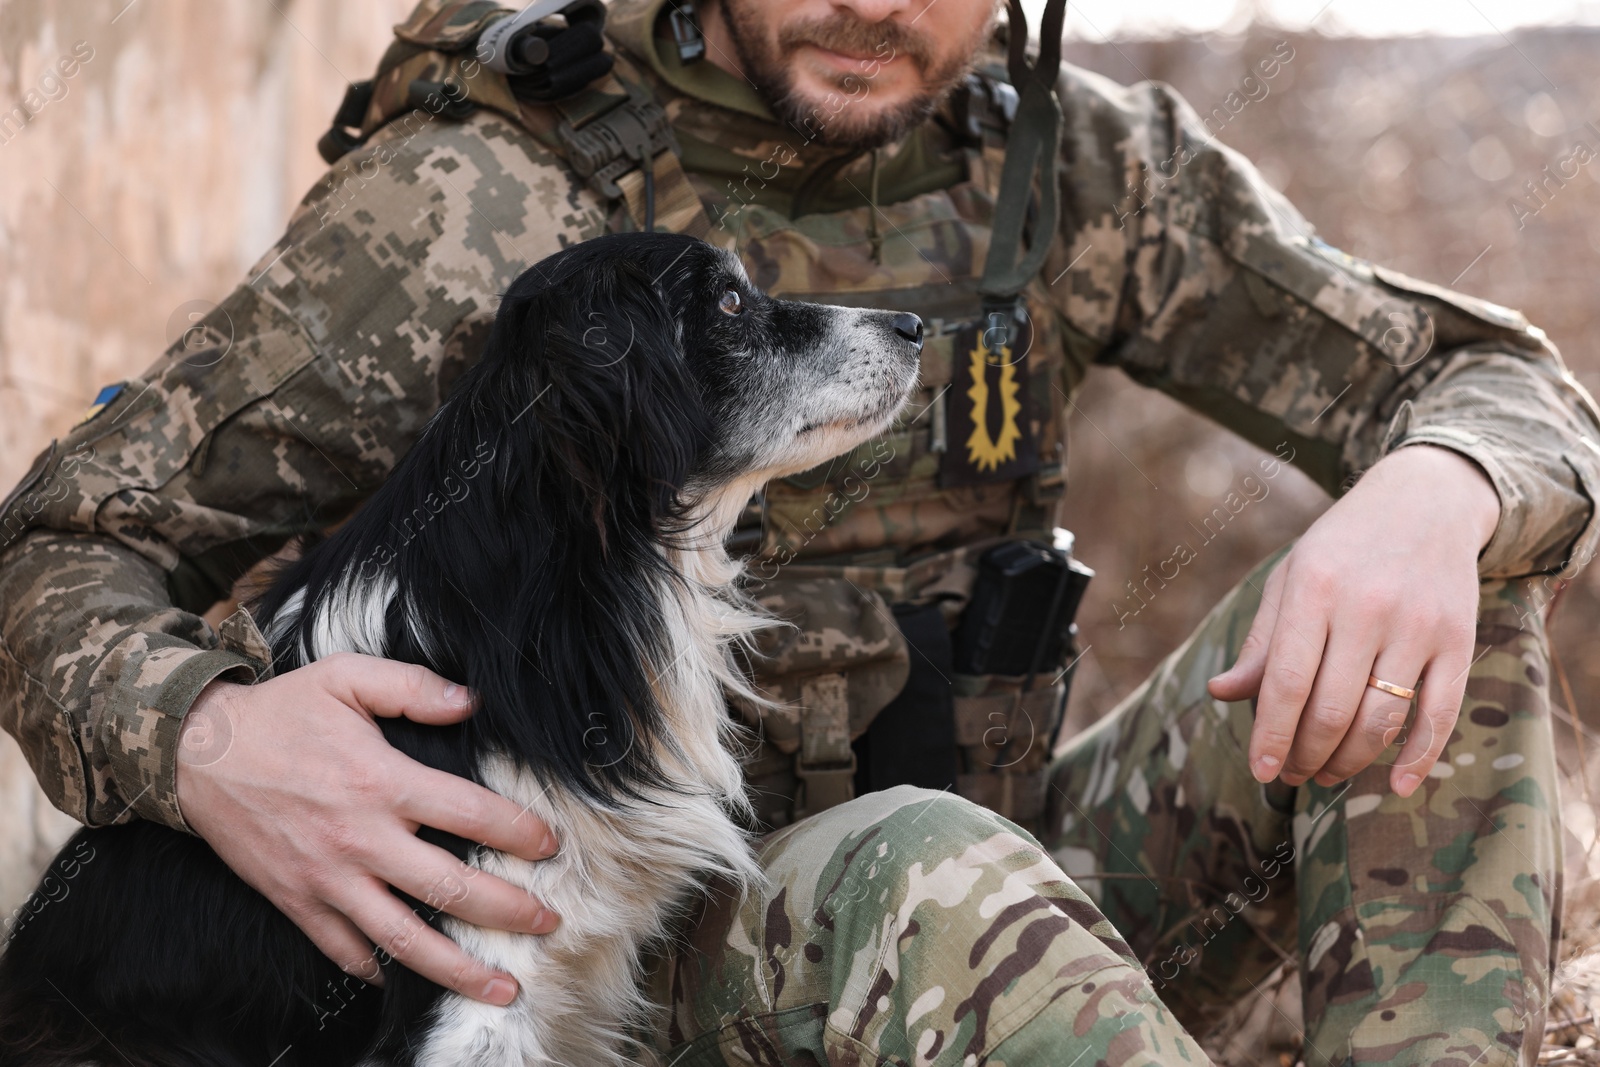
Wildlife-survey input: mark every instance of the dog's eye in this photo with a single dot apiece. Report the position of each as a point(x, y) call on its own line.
point(731, 303)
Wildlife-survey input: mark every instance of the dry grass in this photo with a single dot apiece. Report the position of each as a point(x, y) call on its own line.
point(1572, 1030)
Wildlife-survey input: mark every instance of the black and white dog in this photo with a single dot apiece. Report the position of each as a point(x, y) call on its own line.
point(635, 391)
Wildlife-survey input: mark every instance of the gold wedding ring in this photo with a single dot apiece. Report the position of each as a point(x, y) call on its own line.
point(1389, 687)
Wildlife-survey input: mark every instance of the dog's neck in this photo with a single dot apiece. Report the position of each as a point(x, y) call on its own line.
point(702, 555)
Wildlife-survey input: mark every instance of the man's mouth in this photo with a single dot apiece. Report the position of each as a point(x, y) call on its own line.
point(853, 62)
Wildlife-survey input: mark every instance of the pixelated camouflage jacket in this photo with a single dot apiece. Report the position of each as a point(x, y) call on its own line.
point(1175, 261)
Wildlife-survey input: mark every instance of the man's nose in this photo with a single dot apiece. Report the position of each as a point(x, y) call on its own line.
point(909, 327)
point(871, 11)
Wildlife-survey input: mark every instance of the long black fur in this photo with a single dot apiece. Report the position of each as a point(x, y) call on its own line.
point(524, 530)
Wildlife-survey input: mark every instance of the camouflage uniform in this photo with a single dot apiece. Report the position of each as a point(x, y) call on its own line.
point(1175, 262)
point(1425, 925)
point(911, 926)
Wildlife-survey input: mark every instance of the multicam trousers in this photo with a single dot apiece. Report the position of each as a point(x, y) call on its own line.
point(912, 927)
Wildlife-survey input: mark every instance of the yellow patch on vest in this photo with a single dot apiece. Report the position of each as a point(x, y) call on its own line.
point(987, 452)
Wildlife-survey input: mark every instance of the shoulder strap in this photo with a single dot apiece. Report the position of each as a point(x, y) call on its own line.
point(607, 131)
point(1031, 151)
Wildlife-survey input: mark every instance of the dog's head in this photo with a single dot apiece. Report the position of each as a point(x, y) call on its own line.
point(647, 366)
point(634, 392)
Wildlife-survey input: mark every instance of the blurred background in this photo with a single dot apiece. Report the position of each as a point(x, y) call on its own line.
point(141, 188)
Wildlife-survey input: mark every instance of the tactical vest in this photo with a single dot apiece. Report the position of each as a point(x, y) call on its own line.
point(873, 555)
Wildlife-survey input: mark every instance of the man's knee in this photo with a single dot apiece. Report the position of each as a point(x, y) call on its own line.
point(883, 838)
point(905, 849)
point(905, 806)
point(903, 824)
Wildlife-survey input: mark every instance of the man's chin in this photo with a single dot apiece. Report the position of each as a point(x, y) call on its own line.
point(864, 119)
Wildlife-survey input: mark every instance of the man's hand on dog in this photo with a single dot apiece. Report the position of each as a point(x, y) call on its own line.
point(1384, 584)
point(294, 786)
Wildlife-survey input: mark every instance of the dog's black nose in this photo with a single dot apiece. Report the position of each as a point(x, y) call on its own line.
point(909, 327)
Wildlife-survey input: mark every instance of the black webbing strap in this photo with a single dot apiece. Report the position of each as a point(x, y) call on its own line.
point(1031, 148)
point(344, 136)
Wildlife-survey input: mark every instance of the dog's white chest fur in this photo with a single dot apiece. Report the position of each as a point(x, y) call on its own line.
point(615, 883)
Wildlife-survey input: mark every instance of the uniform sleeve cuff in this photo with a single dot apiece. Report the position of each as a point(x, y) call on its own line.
point(143, 719)
point(1526, 539)
point(1507, 546)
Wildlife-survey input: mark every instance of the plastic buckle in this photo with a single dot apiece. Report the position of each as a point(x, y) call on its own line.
point(1001, 318)
point(630, 135)
point(1004, 98)
point(344, 135)
point(984, 102)
point(686, 34)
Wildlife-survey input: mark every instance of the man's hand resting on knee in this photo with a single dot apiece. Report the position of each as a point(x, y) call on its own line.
point(294, 786)
point(1384, 584)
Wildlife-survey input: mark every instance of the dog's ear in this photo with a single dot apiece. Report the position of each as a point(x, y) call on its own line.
point(580, 426)
point(605, 406)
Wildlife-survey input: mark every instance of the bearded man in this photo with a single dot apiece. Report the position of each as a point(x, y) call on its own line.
point(1349, 763)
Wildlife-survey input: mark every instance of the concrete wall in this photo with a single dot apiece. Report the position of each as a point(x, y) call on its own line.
point(155, 176)
point(141, 188)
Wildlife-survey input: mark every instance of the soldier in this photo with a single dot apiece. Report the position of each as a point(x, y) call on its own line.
point(1260, 797)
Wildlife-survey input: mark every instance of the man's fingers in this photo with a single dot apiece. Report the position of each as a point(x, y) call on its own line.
point(443, 883)
point(341, 941)
point(389, 689)
point(1379, 719)
point(1438, 706)
point(1298, 639)
point(1243, 680)
point(441, 800)
point(1330, 711)
point(397, 931)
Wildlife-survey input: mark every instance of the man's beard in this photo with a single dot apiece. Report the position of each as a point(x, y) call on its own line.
point(844, 123)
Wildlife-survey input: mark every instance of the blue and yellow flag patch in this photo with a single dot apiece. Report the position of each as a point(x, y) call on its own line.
point(101, 399)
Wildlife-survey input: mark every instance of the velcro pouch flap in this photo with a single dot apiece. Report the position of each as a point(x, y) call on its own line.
point(838, 663)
